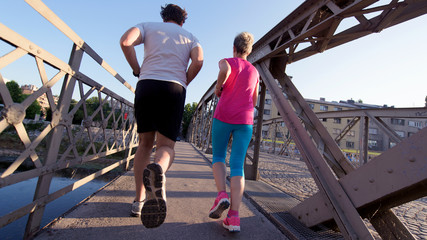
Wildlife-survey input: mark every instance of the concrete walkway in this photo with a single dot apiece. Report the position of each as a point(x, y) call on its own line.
point(190, 194)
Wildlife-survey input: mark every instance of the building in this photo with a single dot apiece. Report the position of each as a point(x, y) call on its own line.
point(43, 100)
point(276, 131)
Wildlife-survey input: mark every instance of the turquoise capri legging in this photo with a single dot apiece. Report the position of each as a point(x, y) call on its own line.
point(242, 134)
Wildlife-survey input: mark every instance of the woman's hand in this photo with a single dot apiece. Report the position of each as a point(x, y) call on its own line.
point(218, 91)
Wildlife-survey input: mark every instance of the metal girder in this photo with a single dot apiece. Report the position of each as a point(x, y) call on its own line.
point(40, 7)
point(327, 146)
point(377, 112)
point(347, 128)
point(251, 172)
point(315, 22)
point(395, 177)
point(59, 133)
point(337, 201)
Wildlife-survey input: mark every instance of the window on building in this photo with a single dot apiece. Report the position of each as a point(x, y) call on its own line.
point(400, 133)
point(323, 108)
point(351, 133)
point(282, 124)
point(415, 124)
point(337, 120)
point(337, 109)
point(267, 101)
point(372, 143)
point(349, 144)
point(311, 105)
point(397, 121)
point(264, 133)
point(336, 131)
point(279, 134)
point(324, 119)
point(373, 131)
point(266, 111)
point(410, 134)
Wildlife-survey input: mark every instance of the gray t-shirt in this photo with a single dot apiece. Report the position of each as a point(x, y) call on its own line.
point(167, 48)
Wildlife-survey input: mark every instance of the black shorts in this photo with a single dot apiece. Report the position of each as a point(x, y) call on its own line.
point(159, 106)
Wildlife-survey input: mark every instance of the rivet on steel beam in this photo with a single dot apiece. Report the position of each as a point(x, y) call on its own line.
point(306, 214)
point(299, 217)
point(316, 209)
point(356, 188)
point(31, 47)
point(371, 180)
point(390, 170)
point(412, 159)
point(38, 51)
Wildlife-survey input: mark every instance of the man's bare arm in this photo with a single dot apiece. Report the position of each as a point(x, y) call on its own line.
point(128, 41)
point(196, 56)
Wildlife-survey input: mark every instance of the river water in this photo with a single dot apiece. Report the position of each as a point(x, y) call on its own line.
point(18, 195)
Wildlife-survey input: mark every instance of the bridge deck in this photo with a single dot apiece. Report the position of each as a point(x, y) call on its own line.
point(190, 194)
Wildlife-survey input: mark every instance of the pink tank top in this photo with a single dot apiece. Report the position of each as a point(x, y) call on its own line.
point(235, 105)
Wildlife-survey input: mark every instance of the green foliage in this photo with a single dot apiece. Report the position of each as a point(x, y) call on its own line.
point(34, 126)
point(92, 105)
point(33, 109)
point(17, 97)
point(189, 110)
point(15, 91)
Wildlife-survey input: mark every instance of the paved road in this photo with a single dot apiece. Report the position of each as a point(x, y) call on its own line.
point(190, 194)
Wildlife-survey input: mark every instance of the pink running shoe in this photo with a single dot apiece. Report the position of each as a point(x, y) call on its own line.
point(220, 205)
point(232, 223)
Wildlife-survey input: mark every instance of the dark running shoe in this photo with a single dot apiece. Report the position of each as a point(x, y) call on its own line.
point(153, 212)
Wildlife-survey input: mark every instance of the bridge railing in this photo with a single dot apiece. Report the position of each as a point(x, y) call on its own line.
point(97, 125)
point(346, 194)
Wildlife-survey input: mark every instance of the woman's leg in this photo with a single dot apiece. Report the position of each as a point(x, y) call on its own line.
point(220, 136)
point(242, 135)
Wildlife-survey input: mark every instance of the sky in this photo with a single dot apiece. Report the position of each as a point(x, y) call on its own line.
point(382, 68)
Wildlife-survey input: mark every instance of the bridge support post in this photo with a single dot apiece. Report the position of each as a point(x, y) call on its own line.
point(251, 171)
point(43, 184)
point(337, 201)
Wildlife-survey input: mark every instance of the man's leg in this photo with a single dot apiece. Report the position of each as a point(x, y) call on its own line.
point(153, 212)
point(142, 159)
point(165, 152)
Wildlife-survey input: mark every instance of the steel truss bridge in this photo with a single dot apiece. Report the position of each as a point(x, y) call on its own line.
point(347, 194)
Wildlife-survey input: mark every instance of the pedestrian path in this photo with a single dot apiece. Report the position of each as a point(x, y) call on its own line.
point(190, 194)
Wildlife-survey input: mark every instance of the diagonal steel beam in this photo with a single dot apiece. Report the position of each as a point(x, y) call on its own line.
point(395, 177)
point(337, 201)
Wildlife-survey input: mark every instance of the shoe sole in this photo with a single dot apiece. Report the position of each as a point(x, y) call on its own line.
point(135, 214)
point(153, 213)
point(220, 208)
point(231, 228)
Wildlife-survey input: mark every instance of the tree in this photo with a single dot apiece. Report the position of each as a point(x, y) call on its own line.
point(17, 97)
point(15, 91)
point(33, 109)
point(189, 110)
